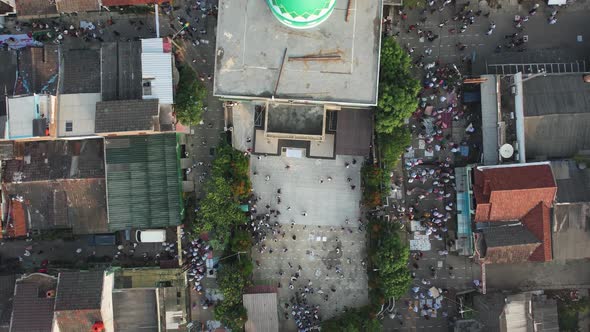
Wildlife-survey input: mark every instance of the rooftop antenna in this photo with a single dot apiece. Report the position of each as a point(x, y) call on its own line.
point(280, 72)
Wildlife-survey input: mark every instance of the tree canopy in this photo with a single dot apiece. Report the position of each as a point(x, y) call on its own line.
point(372, 180)
point(233, 166)
point(389, 257)
point(393, 145)
point(392, 262)
point(190, 97)
point(218, 213)
point(398, 89)
point(232, 279)
point(355, 320)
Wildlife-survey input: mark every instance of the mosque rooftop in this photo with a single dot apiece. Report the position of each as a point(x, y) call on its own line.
point(335, 61)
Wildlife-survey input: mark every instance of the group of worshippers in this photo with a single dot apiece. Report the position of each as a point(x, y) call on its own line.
point(195, 256)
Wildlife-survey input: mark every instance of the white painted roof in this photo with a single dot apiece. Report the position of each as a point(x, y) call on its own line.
point(152, 45)
point(158, 68)
point(157, 65)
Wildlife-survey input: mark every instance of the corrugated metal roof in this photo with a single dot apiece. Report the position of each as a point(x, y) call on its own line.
point(152, 45)
point(262, 312)
point(143, 183)
point(158, 68)
point(489, 118)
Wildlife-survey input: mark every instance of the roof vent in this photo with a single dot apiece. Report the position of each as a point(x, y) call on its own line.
point(50, 294)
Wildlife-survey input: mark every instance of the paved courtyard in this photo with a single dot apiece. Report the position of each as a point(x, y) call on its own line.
point(320, 251)
point(318, 259)
point(306, 188)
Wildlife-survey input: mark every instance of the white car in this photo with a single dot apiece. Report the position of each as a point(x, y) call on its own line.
point(150, 235)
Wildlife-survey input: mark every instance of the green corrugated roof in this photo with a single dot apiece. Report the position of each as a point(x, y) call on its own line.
point(143, 185)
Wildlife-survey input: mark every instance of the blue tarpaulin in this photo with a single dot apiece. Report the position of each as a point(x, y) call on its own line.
point(471, 97)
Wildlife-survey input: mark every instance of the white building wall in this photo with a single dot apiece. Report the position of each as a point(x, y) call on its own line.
point(23, 110)
point(106, 306)
point(80, 109)
point(157, 67)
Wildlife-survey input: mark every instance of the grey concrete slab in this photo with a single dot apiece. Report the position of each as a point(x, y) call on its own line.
point(314, 249)
point(322, 149)
point(243, 126)
point(536, 275)
point(327, 203)
point(264, 144)
point(295, 119)
point(570, 231)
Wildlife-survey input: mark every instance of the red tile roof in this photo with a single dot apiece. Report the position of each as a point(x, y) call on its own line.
point(523, 193)
point(77, 320)
point(538, 221)
point(73, 6)
point(509, 193)
point(35, 8)
point(17, 224)
point(510, 254)
point(109, 3)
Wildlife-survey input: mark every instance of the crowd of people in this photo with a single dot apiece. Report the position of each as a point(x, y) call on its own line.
point(427, 301)
point(195, 262)
point(265, 227)
point(187, 24)
point(461, 21)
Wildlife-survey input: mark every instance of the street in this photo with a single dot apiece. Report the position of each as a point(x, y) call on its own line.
point(562, 42)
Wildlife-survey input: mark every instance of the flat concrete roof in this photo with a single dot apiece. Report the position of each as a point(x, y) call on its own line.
point(489, 119)
point(571, 233)
point(295, 119)
point(573, 182)
point(251, 43)
point(354, 132)
point(263, 313)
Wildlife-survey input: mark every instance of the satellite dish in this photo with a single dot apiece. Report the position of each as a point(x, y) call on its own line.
point(506, 151)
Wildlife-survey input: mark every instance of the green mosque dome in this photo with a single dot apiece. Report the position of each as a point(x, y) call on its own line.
point(301, 14)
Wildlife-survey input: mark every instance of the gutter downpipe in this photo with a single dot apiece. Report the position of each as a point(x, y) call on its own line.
point(157, 21)
point(519, 108)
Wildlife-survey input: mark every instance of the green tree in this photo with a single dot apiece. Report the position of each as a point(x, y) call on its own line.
point(398, 89)
point(218, 213)
point(232, 316)
point(391, 259)
point(190, 97)
point(232, 281)
point(354, 320)
point(241, 241)
point(234, 166)
point(393, 145)
point(372, 179)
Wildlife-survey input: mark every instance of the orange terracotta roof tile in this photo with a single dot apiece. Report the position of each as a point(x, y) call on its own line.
point(538, 221)
point(17, 226)
point(73, 6)
point(110, 3)
point(510, 254)
point(509, 193)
